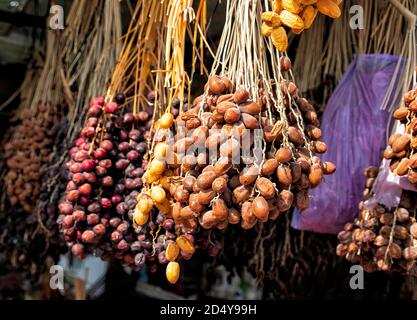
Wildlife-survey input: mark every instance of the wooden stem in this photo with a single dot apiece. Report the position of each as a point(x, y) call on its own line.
point(411, 17)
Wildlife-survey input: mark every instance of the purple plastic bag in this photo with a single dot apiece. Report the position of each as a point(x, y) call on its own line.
point(354, 129)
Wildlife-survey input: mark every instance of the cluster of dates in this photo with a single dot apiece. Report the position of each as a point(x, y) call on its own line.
point(105, 211)
point(402, 146)
point(298, 15)
point(231, 162)
point(27, 154)
point(32, 148)
point(381, 238)
point(224, 185)
point(104, 174)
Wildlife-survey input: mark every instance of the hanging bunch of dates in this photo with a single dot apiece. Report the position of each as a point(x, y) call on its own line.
point(27, 154)
point(181, 233)
point(402, 146)
point(230, 159)
point(238, 165)
point(102, 212)
point(382, 238)
point(104, 176)
point(109, 158)
point(31, 242)
point(298, 15)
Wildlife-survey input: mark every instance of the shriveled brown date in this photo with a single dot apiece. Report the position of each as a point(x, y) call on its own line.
point(284, 175)
point(188, 182)
point(216, 85)
point(295, 136)
point(260, 208)
point(328, 167)
point(269, 167)
point(222, 166)
point(205, 180)
point(219, 185)
point(250, 121)
point(285, 200)
point(249, 175)
point(401, 113)
point(194, 203)
point(205, 196)
point(315, 175)
point(283, 155)
point(234, 216)
point(252, 108)
point(241, 194)
point(240, 96)
point(265, 187)
point(247, 212)
point(220, 209)
point(400, 143)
